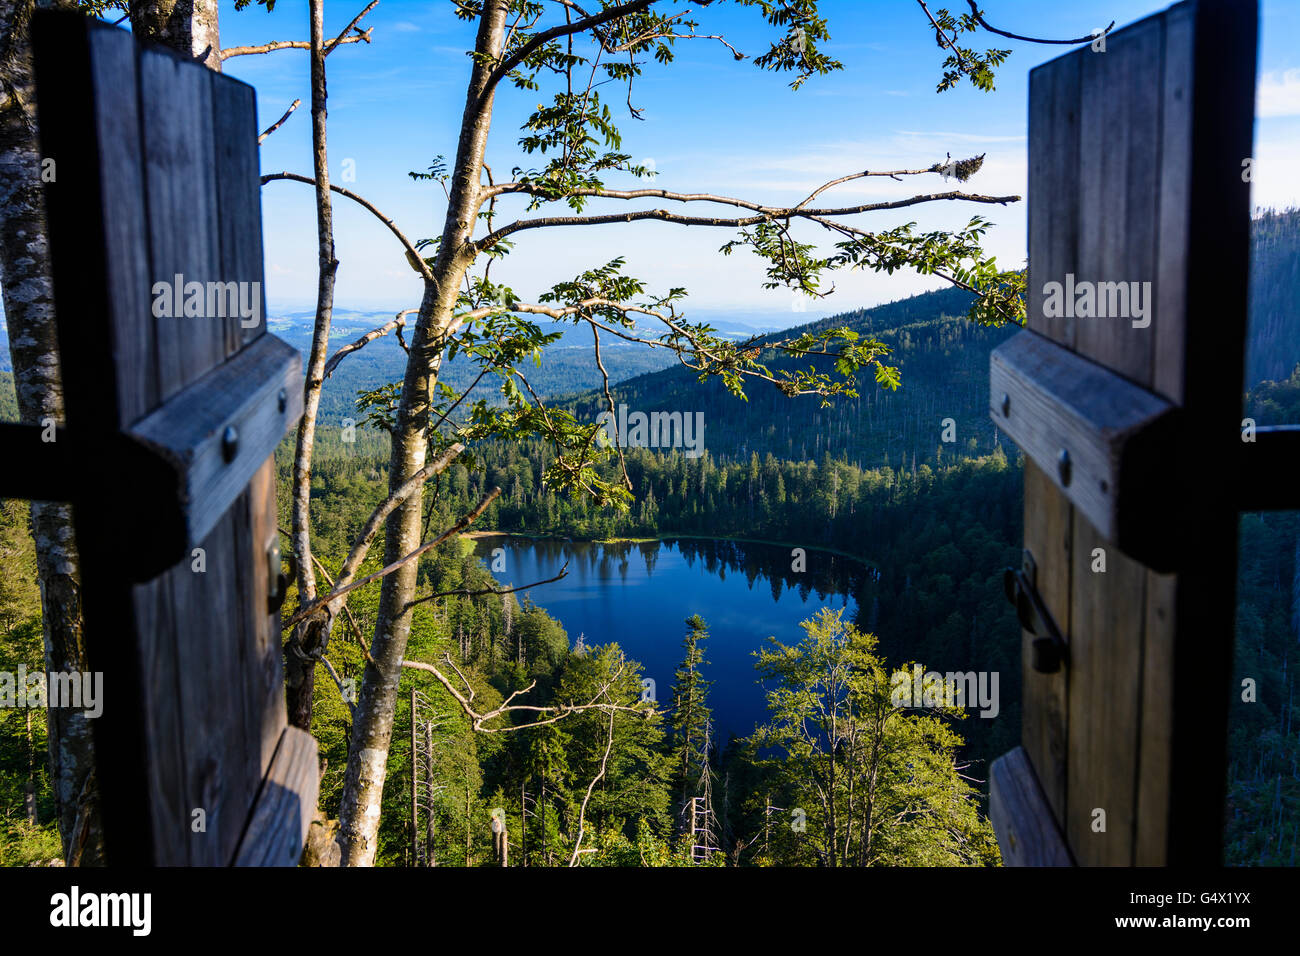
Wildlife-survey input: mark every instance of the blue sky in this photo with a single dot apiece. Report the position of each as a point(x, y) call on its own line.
point(711, 124)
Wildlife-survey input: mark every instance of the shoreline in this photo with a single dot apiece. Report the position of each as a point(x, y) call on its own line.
point(539, 536)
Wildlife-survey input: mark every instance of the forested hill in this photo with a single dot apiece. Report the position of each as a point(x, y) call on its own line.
point(944, 361)
point(1273, 348)
point(943, 358)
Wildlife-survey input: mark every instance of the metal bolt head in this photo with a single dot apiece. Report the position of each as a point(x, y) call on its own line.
point(1063, 468)
point(229, 443)
point(1006, 405)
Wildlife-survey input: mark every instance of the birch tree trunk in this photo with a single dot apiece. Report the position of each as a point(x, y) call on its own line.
point(372, 727)
point(188, 26)
point(33, 347)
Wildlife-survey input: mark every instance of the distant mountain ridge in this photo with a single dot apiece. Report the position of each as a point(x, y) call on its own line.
point(942, 356)
point(943, 359)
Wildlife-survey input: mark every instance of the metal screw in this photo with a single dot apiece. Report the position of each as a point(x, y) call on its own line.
point(1006, 405)
point(1063, 468)
point(283, 400)
point(229, 443)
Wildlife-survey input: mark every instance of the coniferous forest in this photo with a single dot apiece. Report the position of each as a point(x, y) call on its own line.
point(848, 480)
point(925, 544)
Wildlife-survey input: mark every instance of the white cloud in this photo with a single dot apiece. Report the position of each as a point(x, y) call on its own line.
point(1275, 180)
point(942, 136)
point(406, 26)
point(1278, 93)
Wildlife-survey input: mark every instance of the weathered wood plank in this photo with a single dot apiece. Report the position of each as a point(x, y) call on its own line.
point(163, 732)
point(1049, 525)
point(211, 687)
point(1223, 86)
point(1107, 611)
point(1154, 789)
point(176, 135)
point(193, 655)
point(1163, 126)
point(258, 393)
point(1119, 438)
point(239, 202)
point(1119, 163)
point(264, 667)
point(1021, 817)
point(278, 825)
point(1157, 721)
point(125, 230)
point(1053, 211)
point(1175, 208)
point(86, 95)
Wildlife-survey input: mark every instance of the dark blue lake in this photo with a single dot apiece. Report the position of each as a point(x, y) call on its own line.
point(639, 594)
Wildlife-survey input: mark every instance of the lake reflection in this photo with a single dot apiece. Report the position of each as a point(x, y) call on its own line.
point(640, 594)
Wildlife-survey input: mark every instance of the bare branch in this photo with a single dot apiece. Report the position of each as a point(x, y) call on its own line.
point(378, 516)
point(979, 18)
point(278, 123)
point(943, 37)
point(345, 585)
point(465, 592)
point(347, 611)
point(557, 711)
point(706, 355)
point(546, 36)
point(343, 34)
point(609, 399)
point(360, 37)
point(766, 214)
point(582, 812)
point(397, 323)
point(337, 680)
point(412, 256)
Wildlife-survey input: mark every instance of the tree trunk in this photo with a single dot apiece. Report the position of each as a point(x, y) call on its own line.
point(415, 792)
point(311, 635)
point(372, 727)
point(188, 26)
point(430, 792)
point(29, 789)
point(33, 348)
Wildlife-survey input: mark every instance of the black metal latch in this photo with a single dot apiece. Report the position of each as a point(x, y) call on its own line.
point(1049, 647)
